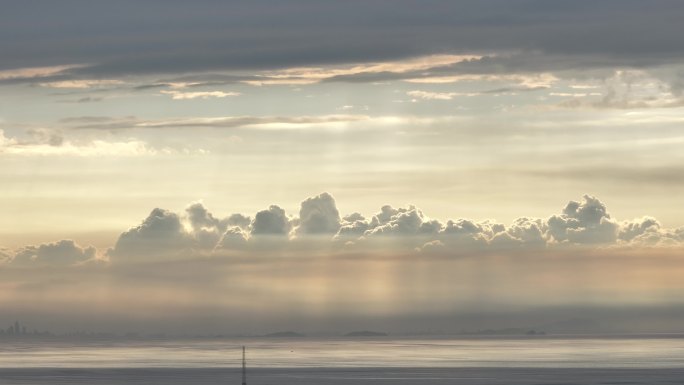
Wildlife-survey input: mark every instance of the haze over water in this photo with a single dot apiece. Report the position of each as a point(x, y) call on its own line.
point(309, 353)
point(343, 361)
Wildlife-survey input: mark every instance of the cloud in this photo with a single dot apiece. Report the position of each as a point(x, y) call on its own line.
point(365, 71)
point(205, 228)
point(628, 89)
point(197, 231)
point(352, 227)
point(524, 232)
point(488, 68)
point(401, 222)
point(271, 222)
point(235, 238)
point(464, 232)
point(55, 144)
point(319, 215)
point(85, 99)
point(161, 233)
point(61, 253)
point(260, 36)
point(630, 230)
point(199, 217)
point(31, 73)
point(433, 69)
point(180, 95)
point(520, 81)
point(5, 256)
point(253, 122)
point(82, 84)
point(647, 231)
point(196, 80)
point(583, 222)
point(238, 220)
point(432, 95)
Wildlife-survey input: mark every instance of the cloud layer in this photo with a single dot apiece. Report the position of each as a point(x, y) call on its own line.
point(210, 37)
point(585, 222)
point(320, 228)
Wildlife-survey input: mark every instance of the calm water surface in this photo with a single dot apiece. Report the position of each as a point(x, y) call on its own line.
point(306, 353)
point(337, 361)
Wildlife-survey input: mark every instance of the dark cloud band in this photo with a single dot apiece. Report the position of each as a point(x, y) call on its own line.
point(170, 37)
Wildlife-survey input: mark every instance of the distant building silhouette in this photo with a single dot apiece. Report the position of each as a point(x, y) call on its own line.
point(15, 329)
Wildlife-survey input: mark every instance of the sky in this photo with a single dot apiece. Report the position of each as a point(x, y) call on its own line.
point(408, 164)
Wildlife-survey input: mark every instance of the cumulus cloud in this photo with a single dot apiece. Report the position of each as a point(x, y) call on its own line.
point(352, 227)
point(197, 231)
point(583, 222)
point(5, 256)
point(402, 222)
point(319, 215)
point(464, 232)
point(62, 253)
point(273, 221)
point(630, 230)
point(234, 238)
point(647, 231)
point(204, 228)
point(199, 217)
point(239, 220)
point(528, 232)
point(161, 233)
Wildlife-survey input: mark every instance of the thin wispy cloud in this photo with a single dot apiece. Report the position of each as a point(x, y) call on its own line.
point(11, 146)
point(432, 95)
point(82, 84)
point(180, 95)
point(255, 122)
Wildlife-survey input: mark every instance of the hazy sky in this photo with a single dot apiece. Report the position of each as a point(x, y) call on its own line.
point(339, 129)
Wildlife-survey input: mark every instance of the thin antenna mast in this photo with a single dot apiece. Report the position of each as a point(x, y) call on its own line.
point(244, 367)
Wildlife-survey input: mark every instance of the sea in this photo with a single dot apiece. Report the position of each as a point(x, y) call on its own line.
point(615, 360)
